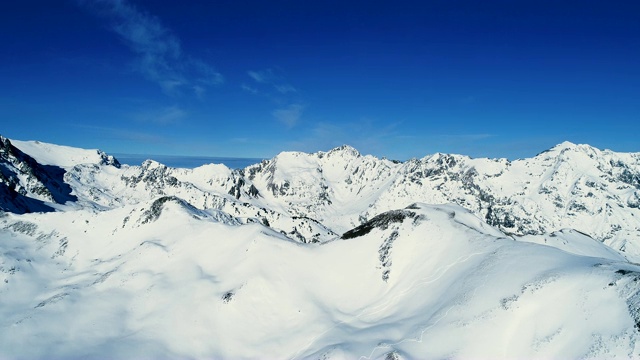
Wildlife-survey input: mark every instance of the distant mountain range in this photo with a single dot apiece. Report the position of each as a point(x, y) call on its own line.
point(187, 161)
point(325, 255)
point(569, 186)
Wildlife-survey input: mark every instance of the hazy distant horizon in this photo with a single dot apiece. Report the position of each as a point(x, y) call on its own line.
point(189, 162)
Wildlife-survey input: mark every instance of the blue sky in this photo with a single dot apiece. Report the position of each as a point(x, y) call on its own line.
point(399, 79)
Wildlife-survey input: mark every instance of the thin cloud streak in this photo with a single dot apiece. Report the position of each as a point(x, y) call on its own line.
point(159, 54)
point(249, 89)
point(283, 89)
point(272, 79)
point(289, 115)
point(267, 76)
point(271, 85)
point(171, 115)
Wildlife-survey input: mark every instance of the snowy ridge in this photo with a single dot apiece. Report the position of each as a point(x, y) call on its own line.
point(63, 156)
point(569, 186)
point(320, 256)
point(26, 185)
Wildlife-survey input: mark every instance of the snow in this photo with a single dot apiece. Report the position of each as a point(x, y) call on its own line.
point(63, 156)
point(574, 242)
point(156, 262)
point(161, 286)
point(570, 186)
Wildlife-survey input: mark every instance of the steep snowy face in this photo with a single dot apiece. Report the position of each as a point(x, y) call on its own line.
point(419, 282)
point(26, 185)
point(334, 187)
point(573, 186)
point(63, 156)
point(581, 187)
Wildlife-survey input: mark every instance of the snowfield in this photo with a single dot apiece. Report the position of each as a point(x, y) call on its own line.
point(330, 255)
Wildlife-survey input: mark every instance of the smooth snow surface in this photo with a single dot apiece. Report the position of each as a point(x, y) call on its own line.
point(187, 285)
point(63, 156)
point(330, 255)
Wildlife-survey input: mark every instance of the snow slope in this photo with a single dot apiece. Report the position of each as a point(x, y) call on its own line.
point(63, 156)
point(422, 282)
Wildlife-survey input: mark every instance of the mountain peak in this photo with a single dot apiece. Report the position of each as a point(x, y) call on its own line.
point(565, 146)
point(344, 149)
point(152, 164)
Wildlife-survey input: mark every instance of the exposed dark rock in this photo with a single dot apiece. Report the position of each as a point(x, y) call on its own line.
point(155, 210)
point(227, 297)
point(384, 254)
point(381, 221)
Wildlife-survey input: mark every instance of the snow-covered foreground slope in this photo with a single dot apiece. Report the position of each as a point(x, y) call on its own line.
point(325, 255)
point(422, 282)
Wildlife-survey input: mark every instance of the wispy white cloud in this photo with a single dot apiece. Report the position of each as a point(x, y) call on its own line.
point(159, 55)
point(272, 85)
point(249, 89)
point(283, 89)
point(289, 115)
point(165, 116)
point(262, 76)
point(199, 91)
point(272, 79)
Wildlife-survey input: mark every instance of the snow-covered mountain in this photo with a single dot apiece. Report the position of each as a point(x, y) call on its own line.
point(325, 255)
point(569, 186)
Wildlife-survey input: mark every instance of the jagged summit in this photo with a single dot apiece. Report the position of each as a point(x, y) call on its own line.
point(152, 164)
point(345, 150)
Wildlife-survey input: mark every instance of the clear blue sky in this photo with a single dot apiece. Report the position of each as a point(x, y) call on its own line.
point(399, 79)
